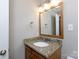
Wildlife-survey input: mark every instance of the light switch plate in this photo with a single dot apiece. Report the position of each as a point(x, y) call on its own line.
point(70, 27)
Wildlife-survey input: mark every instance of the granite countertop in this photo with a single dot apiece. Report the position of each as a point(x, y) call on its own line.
point(45, 51)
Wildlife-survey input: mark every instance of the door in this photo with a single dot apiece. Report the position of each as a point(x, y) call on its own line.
point(4, 29)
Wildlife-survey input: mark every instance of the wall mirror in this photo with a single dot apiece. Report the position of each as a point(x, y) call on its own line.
point(51, 22)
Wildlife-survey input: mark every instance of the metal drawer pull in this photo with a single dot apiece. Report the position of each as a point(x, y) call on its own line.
point(2, 52)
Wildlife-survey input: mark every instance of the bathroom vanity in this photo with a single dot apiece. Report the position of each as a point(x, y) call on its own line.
point(51, 51)
point(50, 25)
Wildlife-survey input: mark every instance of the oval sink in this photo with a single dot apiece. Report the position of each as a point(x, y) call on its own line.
point(41, 44)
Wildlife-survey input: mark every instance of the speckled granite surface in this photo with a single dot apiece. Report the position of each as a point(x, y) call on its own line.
point(45, 51)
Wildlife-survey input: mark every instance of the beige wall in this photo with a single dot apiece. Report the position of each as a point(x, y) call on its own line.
point(22, 12)
point(70, 42)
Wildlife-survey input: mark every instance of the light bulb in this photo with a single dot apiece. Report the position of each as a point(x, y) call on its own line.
point(46, 6)
point(41, 9)
point(55, 2)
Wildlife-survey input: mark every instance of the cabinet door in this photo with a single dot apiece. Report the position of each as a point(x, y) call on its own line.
point(33, 56)
point(27, 54)
point(56, 55)
point(41, 57)
point(30, 54)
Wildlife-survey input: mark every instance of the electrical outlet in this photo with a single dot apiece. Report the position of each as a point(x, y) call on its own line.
point(70, 27)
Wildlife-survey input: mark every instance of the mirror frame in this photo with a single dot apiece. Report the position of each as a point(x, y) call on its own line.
point(61, 24)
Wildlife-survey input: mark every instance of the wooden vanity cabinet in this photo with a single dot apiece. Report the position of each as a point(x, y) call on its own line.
point(31, 54)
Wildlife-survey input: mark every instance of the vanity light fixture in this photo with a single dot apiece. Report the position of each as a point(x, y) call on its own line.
point(47, 6)
point(55, 2)
point(41, 9)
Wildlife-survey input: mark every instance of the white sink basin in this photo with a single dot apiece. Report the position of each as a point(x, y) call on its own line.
point(41, 44)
